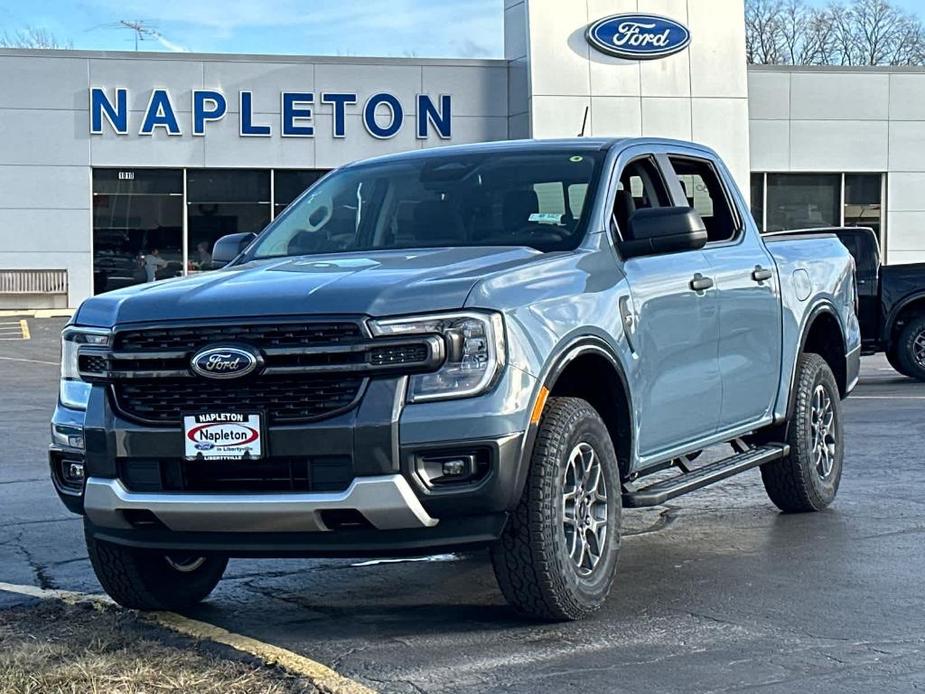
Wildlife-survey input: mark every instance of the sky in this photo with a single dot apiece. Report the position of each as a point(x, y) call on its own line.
point(418, 28)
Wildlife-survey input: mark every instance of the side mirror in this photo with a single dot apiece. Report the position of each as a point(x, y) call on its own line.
point(229, 247)
point(658, 230)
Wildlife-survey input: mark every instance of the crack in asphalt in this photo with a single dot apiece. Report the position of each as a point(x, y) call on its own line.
point(392, 682)
point(31, 479)
point(39, 570)
point(45, 520)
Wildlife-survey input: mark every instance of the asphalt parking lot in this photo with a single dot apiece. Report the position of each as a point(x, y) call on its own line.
point(717, 592)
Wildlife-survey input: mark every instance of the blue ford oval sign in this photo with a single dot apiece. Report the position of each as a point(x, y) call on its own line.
point(638, 36)
point(224, 362)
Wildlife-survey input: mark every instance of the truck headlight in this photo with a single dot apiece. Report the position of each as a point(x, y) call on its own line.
point(475, 352)
point(74, 392)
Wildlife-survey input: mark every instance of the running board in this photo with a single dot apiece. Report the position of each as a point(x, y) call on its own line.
point(660, 492)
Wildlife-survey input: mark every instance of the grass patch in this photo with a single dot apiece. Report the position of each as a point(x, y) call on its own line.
point(55, 647)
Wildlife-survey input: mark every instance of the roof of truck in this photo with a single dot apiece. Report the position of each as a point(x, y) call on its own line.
point(570, 143)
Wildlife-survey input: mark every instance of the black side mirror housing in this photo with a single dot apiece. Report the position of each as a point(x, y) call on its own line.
point(659, 230)
point(229, 247)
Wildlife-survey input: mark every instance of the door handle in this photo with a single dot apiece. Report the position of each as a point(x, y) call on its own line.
point(761, 274)
point(701, 283)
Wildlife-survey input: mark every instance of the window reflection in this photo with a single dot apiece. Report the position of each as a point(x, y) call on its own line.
point(803, 201)
point(137, 226)
point(862, 201)
point(221, 202)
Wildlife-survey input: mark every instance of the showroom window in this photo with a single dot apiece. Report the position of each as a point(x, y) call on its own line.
point(220, 202)
point(863, 200)
point(145, 229)
point(137, 226)
point(783, 201)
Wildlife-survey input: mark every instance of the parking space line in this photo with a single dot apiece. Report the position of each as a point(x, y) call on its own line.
point(886, 397)
point(323, 677)
point(30, 361)
point(15, 330)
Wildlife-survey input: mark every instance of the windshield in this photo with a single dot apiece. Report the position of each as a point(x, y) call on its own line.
point(539, 199)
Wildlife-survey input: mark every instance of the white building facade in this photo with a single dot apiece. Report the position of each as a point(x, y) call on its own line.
point(109, 157)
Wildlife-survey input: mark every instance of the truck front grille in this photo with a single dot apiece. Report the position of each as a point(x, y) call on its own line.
point(307, 369)
point(283, 399)
point(264, 335)
point(275, 474)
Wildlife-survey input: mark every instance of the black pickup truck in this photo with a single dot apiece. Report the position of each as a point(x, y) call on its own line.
point(891, 302)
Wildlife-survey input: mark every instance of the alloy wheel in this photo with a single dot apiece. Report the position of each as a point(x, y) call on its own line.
point(584, 508)
point(823, 424)
point(918, 349)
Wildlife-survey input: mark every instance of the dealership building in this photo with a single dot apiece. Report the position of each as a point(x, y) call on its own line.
point(106, 157)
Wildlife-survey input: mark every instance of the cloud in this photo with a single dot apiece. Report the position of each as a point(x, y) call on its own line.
point(170, 45)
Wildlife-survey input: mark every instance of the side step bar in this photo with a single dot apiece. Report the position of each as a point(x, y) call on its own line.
point(660, 492)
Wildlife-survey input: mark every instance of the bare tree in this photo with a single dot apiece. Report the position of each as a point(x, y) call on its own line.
point(31, 37)
point(764, 31)
point(856, 32)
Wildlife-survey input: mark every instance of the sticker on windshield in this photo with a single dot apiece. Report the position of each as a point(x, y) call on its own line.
point(545, 218)
point(576, 158)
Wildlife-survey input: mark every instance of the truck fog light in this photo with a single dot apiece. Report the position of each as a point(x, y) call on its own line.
point(455, 468)
point(439, 468)
point(74, 472)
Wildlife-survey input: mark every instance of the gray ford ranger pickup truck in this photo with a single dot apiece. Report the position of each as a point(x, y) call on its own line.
point(488, 345)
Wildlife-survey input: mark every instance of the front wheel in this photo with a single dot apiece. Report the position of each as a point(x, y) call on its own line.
point(910, 349)
point(557, 557)
point(151, 580)
point(808, 479)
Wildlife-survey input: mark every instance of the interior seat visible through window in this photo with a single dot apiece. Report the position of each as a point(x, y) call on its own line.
point(706, 195)
point(641, 186)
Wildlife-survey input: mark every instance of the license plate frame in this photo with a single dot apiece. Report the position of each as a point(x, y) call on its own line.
point(217, 436)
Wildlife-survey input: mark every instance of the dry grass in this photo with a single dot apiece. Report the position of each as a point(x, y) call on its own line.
point(53, 647)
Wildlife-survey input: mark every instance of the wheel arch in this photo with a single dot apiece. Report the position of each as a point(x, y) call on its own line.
point(904, 310)
point(823, 335)
point(588, 368)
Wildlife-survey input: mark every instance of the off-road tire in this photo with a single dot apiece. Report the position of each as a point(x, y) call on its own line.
point(531, 560)
point(892, 356)
point(144, 580)
point(905, 348)
point(793, 483)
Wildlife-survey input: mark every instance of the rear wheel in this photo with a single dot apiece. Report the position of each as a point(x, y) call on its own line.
point(557, 557)
point(910, 349)
point(150, 580)
point(808, 479)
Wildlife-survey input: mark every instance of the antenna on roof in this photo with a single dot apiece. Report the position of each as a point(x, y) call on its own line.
point(141, 29)
point(584, 122)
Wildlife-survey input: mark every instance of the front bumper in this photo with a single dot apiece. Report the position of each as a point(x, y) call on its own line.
point(382, 436)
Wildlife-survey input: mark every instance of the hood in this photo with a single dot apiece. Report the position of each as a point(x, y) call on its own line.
point(373, 283)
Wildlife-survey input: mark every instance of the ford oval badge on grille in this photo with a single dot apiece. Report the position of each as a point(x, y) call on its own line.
point(224, 362)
